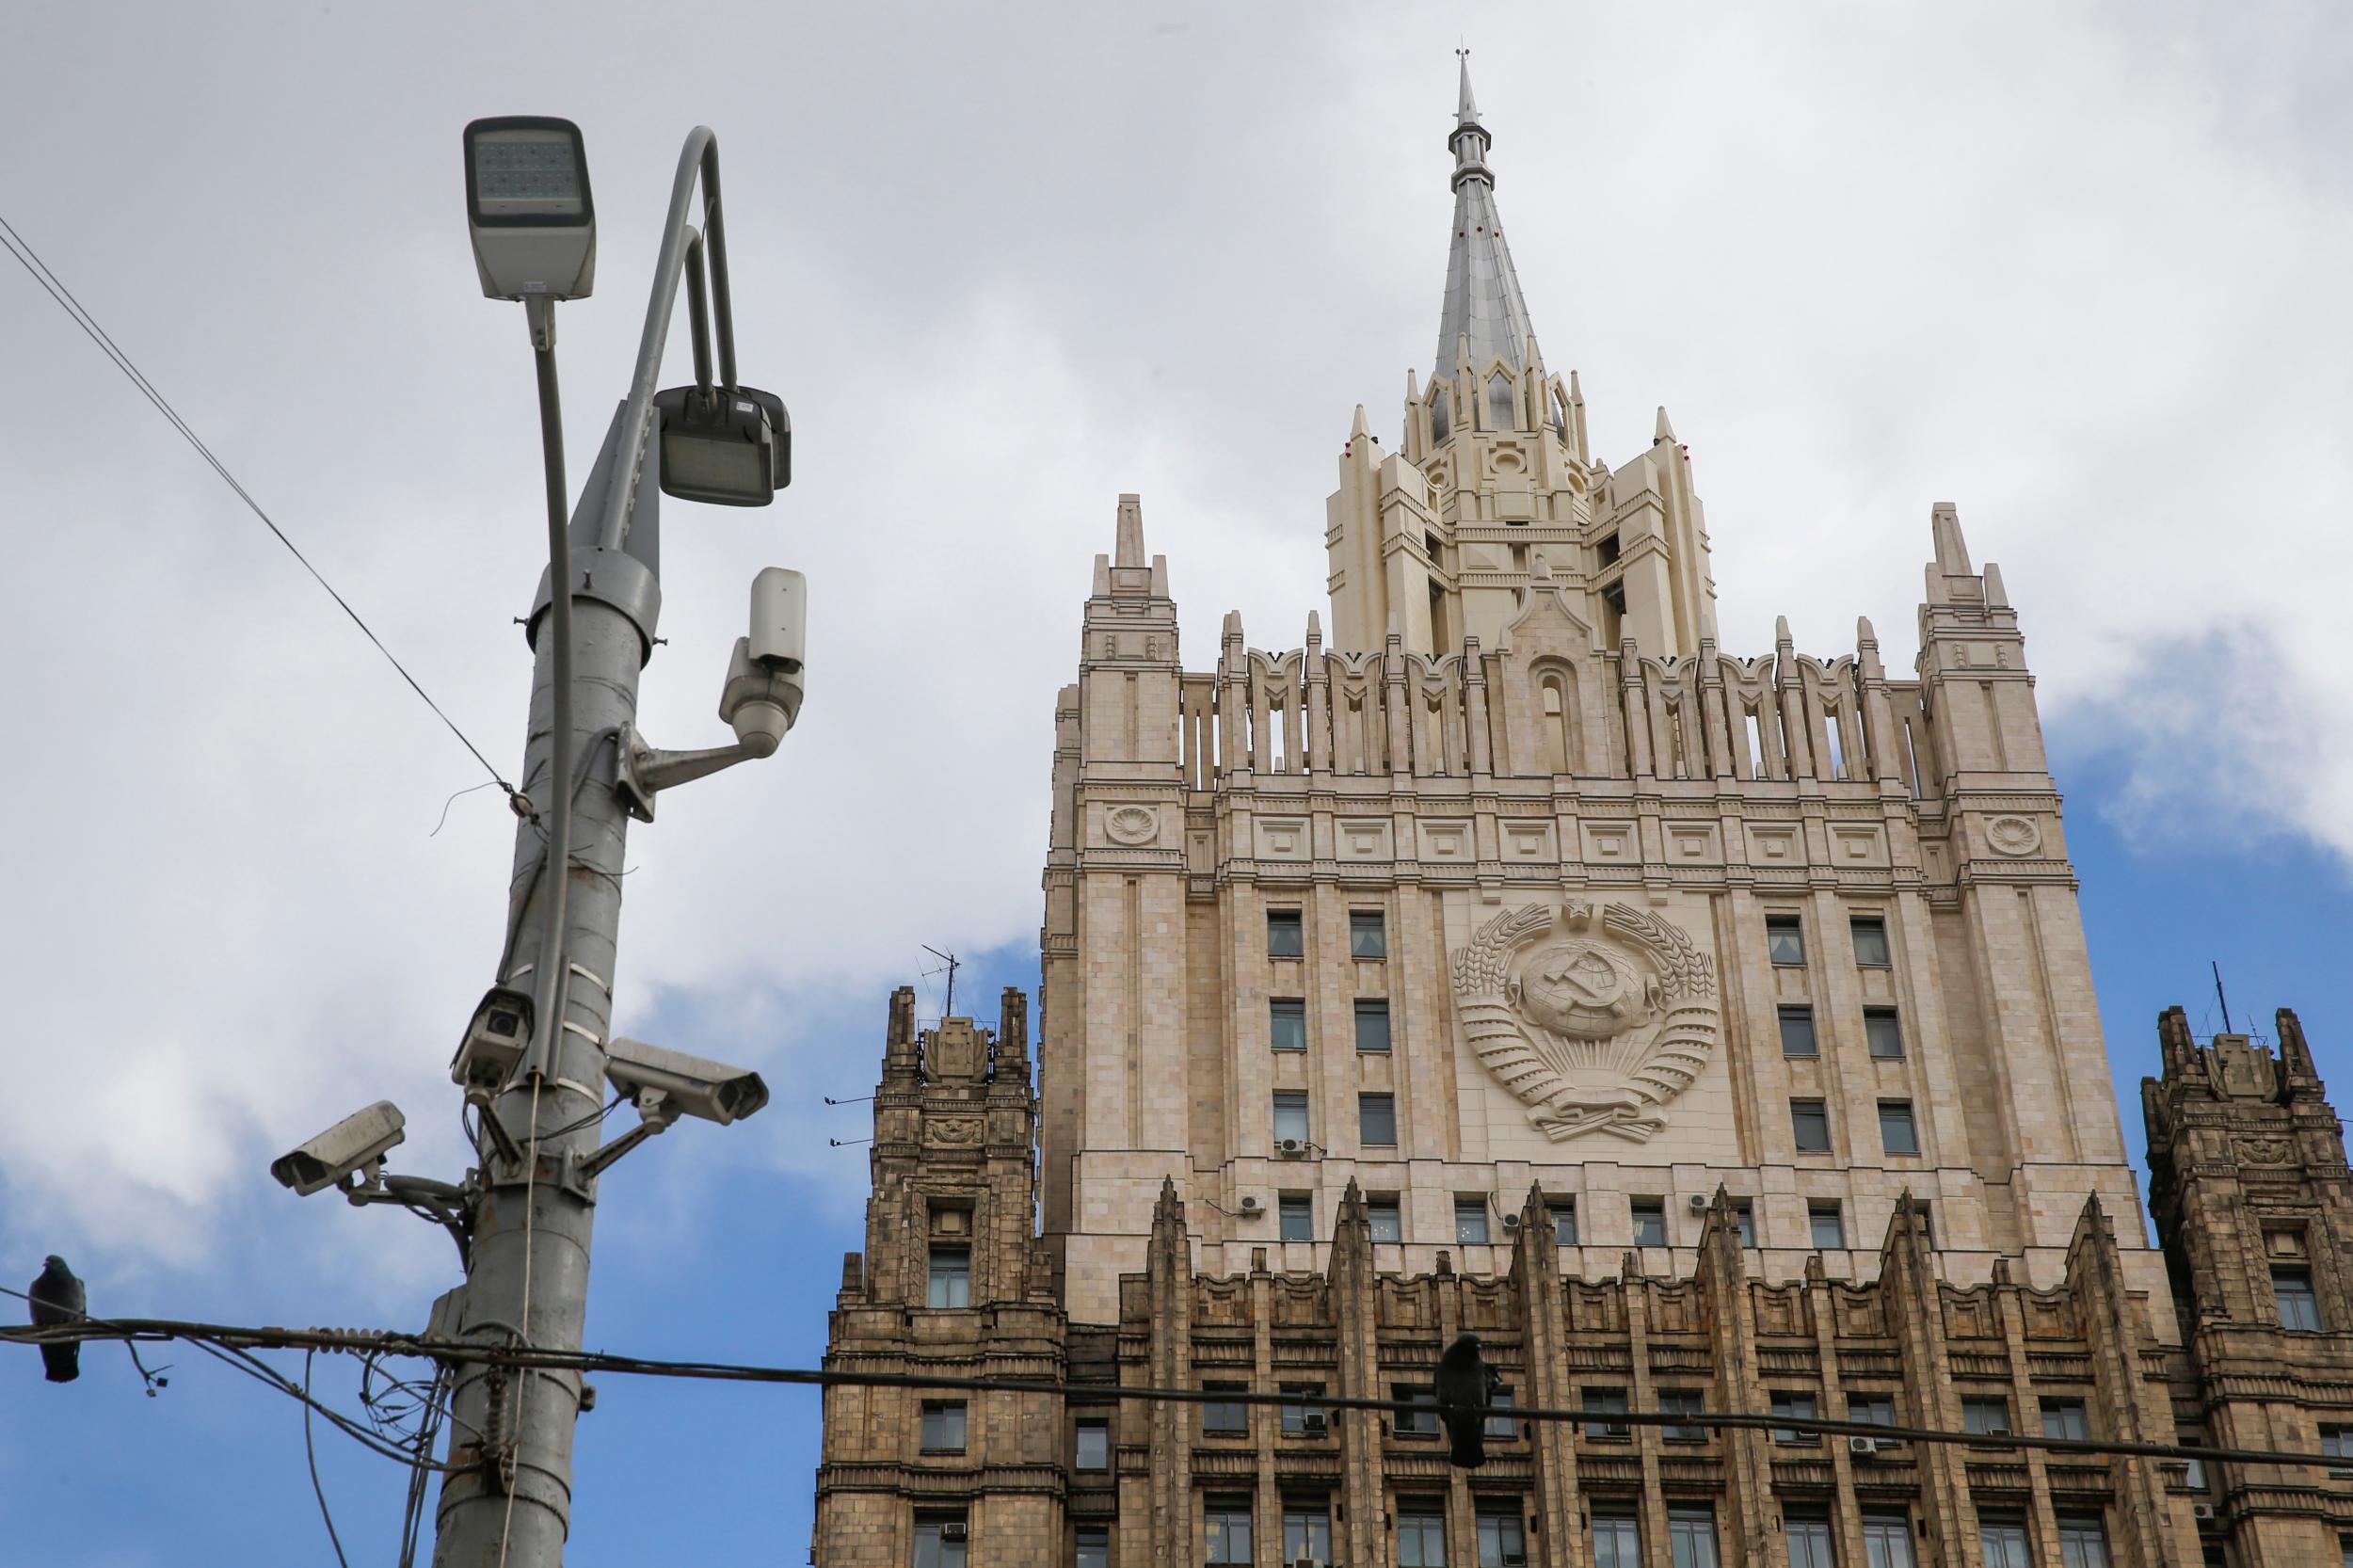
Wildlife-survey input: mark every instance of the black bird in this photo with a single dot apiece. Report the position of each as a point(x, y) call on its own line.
point(59, 1298)
point(1466, 1384)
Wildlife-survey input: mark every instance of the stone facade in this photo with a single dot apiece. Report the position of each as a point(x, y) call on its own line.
point(1706, 1032)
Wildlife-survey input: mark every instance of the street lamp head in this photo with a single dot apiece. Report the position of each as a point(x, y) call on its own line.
point(527, 203)
point(731, 448)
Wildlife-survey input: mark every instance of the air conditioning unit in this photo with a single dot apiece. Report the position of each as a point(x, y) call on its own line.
point(1511, 1223)
point(952, 1531)
point(1698, 1202)
point(1291, 1148)
point(1314, 1423)
point(1863, 1447)
point(1250, 1205)
point(2202, 1512)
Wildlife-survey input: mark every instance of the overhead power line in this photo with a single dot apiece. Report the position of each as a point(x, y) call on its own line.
point(392, 1342)
point(51, 284)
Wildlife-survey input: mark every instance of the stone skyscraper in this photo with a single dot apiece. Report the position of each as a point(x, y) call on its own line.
point(1709, 1029)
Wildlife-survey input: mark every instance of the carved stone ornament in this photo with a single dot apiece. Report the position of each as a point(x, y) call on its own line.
point(2013, 835)
point(1595, 1017)
point(951, 1129)
point(2266, 1151)
point(1131, 824)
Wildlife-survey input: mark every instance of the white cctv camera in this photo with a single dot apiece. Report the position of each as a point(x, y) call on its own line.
point(496, 1037)
point(763, 696)
point(355, 1145)
point(665, 1082)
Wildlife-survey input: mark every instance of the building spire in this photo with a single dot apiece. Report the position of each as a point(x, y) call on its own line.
point(1483, 290)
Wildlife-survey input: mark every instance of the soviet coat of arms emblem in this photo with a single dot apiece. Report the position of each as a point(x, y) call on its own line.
point(1595, 1017)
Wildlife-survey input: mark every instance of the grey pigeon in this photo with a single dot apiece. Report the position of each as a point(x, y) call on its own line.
point(59, 1298)
point(1466, 1384)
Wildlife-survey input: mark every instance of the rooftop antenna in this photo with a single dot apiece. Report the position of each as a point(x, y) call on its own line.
point(2220, 997)
point(953, 962)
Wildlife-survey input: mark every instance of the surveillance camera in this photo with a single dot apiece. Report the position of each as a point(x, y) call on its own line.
point(358, 1141)
point(710, 1090)
point(780, 630)
point(494, 1042)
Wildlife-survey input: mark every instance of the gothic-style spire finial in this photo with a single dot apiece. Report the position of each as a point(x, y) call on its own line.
point(1482, 301)
point(1129, 546)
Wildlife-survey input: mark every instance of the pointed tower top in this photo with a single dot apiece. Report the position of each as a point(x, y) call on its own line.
point(1482, 289)
point(1130, 546)
point(1664, 431)
point(1359, 429)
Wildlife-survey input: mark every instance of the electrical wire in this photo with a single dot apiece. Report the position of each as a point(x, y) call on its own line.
point(54, 287)
point(312, 1453)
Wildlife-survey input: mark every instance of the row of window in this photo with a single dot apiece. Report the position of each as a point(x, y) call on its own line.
point(1826, 1218)
point(1785, 941)
point(1229, 1531)
point(1809, 1127)
point(1882, 1033)
point(1287, 1023)
point(1287, 934)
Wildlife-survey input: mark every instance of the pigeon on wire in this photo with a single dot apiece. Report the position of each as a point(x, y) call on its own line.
point(1466, 1385)
point(59, 1298)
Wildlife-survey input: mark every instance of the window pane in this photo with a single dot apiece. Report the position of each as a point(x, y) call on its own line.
point(1094, 1550)
point(1306, 1533)
point(1421, 1421)
point(1617, 1543)
point(1295, 1417)
point(1383, 1215)
point(1287, 1023)
point(1870, 943)
point(943, 1427)
point(1606, 1402)
point(1470, 1221)
point(1563, 1223)
point(1285, 936)
point(1372, 1024)
point(1809, 1123)
point(2299, 1307)
point(1421, 1541)
point(1227, 1531)
point(1367, 934)
point(1784, 939)
point(1887, 1540)
point(1794, 1404)
point(1985, 1415)
point(1223, 1417)
point(1094, 1446)
point(1682, 1401)
point(1809, 1543)
point(2004, 1542)
point(1377, 1119)
point(2082, 1542)
point(938, 1543)
point(952, 1277)
point(1796, 1032)
point(1828, 1224)
point(2064, 1418)
point(1298, 1217)
point(1505, 1426)
point(1878, 1409)
point(1501, 1541)
point(1691, 1537)
point(1897, 1133)
point(1744, 1220)
point(1884, 1031)
point(1291, 1115)
point(1649, 1222)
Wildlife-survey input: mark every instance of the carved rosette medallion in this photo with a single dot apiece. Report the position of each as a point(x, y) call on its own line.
point(1131, 824)
point(1595, 1017)
point(2013, 835)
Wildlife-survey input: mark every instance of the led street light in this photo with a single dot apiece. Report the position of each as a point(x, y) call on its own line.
point(729, 448)
point(535, 227)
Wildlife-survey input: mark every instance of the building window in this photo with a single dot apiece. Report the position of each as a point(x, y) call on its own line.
point(1094, 1550)
point(1286, 934)
point(1827, 1222)
point(1556, 729)
point(1441, 426)
point(1372, 1023)
point(1808, 1538)
point(1927, 1222)
point(1224, 1417)
point(2194, 1470)
point(1376, 1120)
point(1887, 1540)
point(1094, 1448)
point(1809, 1123)
point(1606, 1402)
point(952, 1277)
point(1385, 1218)
point(1744, 1219)
point(1519, 557)
point(1470, 1220)
point(1502, 403)
point(1682, 1401)
point(1504, 1427)
point(1297, 1416)
point(1291, 1117)
point(1870, 942)
point(1421, 1537)
point(1797, 1407)
point(1296, 1214)
point(1785, 940)
point(1884, 1032)
point(2065, 1418)
point(1649, 1222)
point(1897, 1135)
point(1796, 1032)
point(2083, 1542)
point(1421, 1421)
point(2337, 1441)
point(1367, 934)
point(1692, 1536)
point(1287, 1023)
point(2299, 1307)
point(1564, 1212)
point(1225, 1532)
point(2004, 1536)
point(1502, 1541)
point(1607, 550)
point(943, 1426)
point(1878, 1409)
point(939, 1540)
point(1617, 1542)
point(1987, 1415)
point(1307, 1534)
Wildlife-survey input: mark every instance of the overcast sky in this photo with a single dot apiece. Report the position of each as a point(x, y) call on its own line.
point(2079, 270)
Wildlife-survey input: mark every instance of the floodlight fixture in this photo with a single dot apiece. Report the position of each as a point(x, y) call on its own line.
point(527, 202)
point(727, 446)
